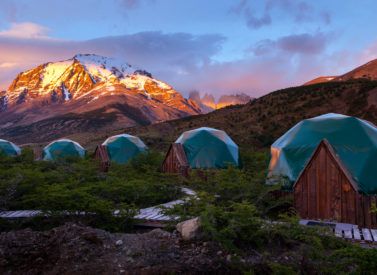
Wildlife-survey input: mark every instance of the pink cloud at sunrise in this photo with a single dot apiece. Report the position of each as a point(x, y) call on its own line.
point(253, 47)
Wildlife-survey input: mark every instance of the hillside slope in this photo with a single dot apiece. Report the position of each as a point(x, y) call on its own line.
point(254, 125)
point(259, 123)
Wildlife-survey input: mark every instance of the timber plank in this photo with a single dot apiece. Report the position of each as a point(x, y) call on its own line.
point(348, 234)
point(312, 191)
point(338, 233)
point(297, 198)
point(329, 182)
point(351, 198)
point(374, 234)
point(356, 233)
point(373, 215)
point(305, 194)
point(321, 184)
point(367, 214)
point(366, 234)
point(344, 198)
point(360, 210)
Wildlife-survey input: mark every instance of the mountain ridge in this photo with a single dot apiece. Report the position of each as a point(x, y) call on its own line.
point(86, 83)
point(366, 71)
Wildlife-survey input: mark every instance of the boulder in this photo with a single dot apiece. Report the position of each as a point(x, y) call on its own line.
point(189, 229)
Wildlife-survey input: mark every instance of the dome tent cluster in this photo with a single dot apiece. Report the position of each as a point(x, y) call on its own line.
point(120, 149)
point(202, 148)
point(328, 162)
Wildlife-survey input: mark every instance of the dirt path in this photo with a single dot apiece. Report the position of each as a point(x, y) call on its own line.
point(75, 249)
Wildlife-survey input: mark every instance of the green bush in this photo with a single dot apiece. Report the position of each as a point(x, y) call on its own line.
point(73, 186)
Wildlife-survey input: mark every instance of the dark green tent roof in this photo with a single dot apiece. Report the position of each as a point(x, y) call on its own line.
point(7, 148)
point(353, 140)
point(122, 148)
point(62, 148)
point(208, 148)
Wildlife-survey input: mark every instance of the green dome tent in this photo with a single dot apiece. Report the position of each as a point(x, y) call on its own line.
point(353, 140)
point(7, 148)
point(208, 148)
point(122, 148)
point(62, 148)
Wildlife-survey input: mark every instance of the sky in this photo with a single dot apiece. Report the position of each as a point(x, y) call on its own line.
point(212, 46)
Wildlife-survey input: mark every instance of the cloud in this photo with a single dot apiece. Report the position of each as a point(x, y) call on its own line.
point(7, 65)
point(262, 13)
point(297, 43)
point(257, 22)
point(165, 55)
point(25, 30)
point(187, 61)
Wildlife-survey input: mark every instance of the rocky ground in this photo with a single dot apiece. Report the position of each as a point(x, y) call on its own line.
point(77, 249)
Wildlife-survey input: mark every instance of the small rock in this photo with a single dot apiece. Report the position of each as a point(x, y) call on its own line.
point(228, 258)
point(39, 260)
point(159, 233)
point(219, 253)
point(189, 229)
point(205, 244)
point(122, 271)
point(129, 259)
point(119, 242)
point(174, 255)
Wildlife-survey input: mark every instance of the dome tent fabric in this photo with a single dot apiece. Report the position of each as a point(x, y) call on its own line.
point(208, 148)
point(62, 148)
point(353, 140)
point(7, 148)
point(122, 148)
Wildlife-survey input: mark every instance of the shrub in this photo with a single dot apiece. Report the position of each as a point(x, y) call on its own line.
point(77, 188)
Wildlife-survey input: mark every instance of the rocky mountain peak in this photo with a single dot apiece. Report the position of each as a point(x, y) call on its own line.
point(94, 84)
point(208, 103)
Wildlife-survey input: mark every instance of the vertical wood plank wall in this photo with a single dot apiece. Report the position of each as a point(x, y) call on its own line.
point(102, 154)
point(323, 191)
point(176, 161)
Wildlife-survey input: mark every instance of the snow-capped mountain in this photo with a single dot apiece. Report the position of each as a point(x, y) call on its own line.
point(85, 75)
point(94, 87)
point(85, 93)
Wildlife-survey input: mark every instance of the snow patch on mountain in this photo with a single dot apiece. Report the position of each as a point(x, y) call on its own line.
point(66, 93)
point(104, 66)
point(52, 72)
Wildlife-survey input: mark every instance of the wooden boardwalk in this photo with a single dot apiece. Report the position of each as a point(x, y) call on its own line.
point(154, 215)
point(347, 231)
